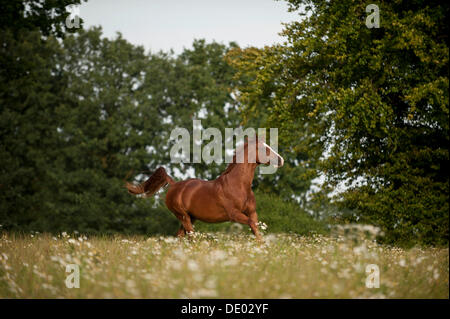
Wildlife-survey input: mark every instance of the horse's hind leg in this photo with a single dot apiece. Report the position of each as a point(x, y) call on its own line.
point(182, 230)
point(187, 222)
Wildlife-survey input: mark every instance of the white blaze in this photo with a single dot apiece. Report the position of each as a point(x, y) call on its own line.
point(272, 150)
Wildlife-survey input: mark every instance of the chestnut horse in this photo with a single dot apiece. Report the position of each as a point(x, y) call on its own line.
point(227, 198)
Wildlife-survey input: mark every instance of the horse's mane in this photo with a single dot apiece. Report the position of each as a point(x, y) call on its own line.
point(233, 162)
point(230, 166)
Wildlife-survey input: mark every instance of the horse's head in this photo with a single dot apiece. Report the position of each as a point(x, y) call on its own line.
point(264, 153)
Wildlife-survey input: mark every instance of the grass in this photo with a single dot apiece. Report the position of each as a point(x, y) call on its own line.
point(217, 265)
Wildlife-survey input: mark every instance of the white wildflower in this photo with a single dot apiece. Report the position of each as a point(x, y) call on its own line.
point(192, 265)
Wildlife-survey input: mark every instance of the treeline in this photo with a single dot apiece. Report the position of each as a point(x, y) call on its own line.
point(373, 101)
point(81, 114)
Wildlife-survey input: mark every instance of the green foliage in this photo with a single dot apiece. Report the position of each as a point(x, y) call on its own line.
point(365, 108)
point(255, 84)
point(81, 116)
point(28, 92)
point(48, 16)
point(373, 102)
point(204, 83)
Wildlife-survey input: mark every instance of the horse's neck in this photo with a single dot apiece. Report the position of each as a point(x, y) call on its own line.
point(242, 174)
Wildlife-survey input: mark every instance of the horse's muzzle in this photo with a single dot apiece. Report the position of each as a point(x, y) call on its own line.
point(280, 162)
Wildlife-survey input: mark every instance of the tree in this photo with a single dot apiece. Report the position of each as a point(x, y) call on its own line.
point(108, 127)
point(374, 100)
point(30, 88)
point(49, 17)
point(207, 83)
point(89, 113)
point(27, 125)
point(256, 83)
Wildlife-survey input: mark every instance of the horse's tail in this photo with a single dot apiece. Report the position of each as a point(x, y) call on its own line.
point(158, 179)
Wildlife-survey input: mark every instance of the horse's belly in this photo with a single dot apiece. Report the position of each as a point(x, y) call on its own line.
point(207, 211)
point(202, 204)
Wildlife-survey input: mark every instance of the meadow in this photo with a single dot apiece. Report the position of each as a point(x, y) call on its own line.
point(217, 265)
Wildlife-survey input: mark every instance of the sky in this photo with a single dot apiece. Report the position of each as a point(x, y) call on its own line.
point(174, 24)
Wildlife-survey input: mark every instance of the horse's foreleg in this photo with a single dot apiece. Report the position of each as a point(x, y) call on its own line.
point(253, 223)
point(253, 216)
point(181, 232)
point(251, 220)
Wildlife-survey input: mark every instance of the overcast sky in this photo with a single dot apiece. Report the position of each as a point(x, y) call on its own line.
point(174, 24)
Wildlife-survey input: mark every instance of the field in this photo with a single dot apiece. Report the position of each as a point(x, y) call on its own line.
point(217, 265)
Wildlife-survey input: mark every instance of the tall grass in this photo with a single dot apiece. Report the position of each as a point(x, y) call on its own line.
point(217, 265)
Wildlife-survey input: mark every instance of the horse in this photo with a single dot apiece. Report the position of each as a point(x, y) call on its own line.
point(227, 198)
